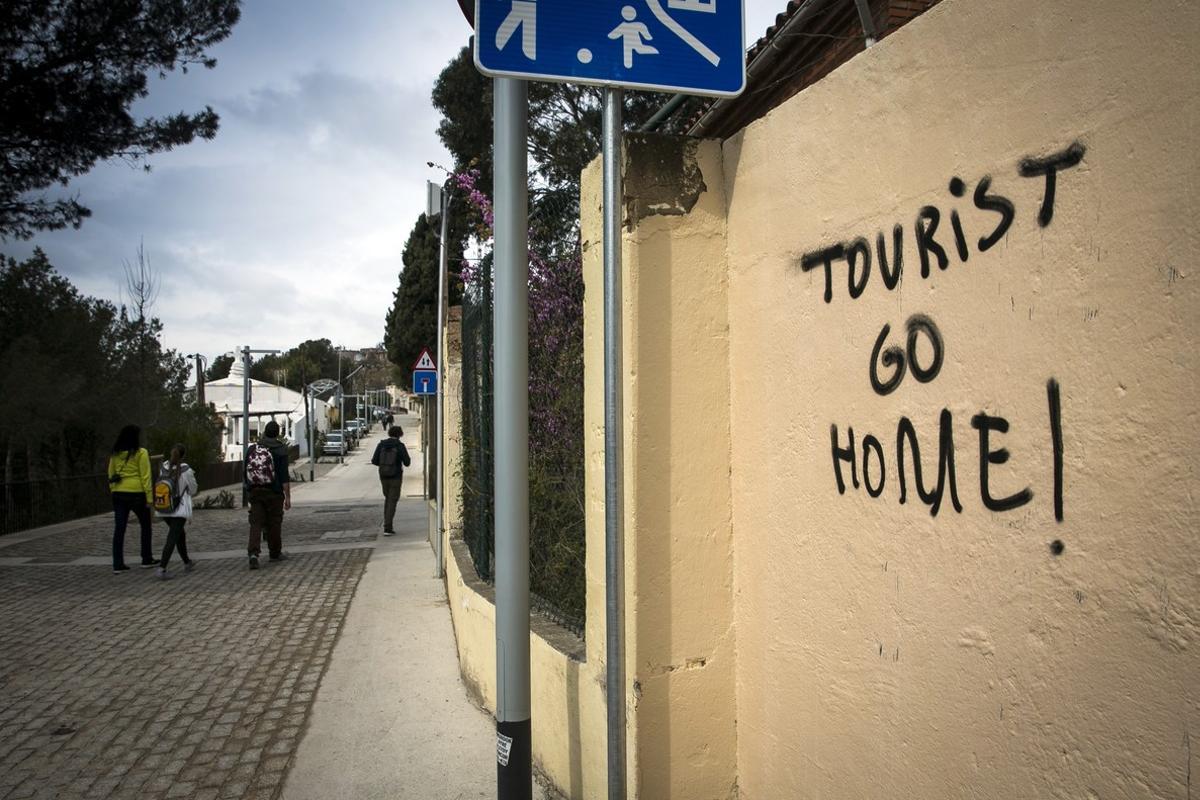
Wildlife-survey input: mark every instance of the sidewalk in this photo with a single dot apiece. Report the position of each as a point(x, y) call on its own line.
point(392, 718)
point(331, 674)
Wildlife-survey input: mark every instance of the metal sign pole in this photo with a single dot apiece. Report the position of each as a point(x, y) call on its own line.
point(245, 418)
point(310, 405)
point(441, 374)
point(513, 735)
point(614, 505)
point(425, 441)
point(341, 415)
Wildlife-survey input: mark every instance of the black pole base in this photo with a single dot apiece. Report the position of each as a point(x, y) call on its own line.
point(514, 760)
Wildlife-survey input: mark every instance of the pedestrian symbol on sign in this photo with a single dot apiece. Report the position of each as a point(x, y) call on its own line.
point(631, 33)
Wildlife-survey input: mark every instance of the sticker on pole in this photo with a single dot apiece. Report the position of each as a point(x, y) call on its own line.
point(691, 46)
point(503, 748)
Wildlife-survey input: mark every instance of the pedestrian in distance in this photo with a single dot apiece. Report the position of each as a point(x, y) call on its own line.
point(391, 456)
point(269, 487)
point(129, 483)
point(173, 493)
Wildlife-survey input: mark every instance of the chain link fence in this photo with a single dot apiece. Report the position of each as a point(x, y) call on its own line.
point(556, 463)
point(478, 474)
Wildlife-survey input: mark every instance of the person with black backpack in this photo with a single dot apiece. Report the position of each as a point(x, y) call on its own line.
point(391, 456)
point(173, 495)
point(269, 487)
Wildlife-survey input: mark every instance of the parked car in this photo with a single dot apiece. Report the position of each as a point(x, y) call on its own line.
point(334, 446)
point(356, 428)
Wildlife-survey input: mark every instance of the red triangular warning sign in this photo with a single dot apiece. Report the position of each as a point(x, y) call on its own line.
point(425, 361)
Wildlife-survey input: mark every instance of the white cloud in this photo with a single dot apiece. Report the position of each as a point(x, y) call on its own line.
point(290, 224)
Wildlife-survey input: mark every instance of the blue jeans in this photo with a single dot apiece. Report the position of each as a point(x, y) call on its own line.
point(123, 503)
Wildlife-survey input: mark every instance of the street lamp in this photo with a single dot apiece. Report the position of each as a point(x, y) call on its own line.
point(200, 360)
point(442, 199)
point(312, 390)
point(342, 404)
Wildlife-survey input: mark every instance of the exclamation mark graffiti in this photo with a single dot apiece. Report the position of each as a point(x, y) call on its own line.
point(1052, 396)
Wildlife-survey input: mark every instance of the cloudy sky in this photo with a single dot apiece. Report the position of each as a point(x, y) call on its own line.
point(290, 224)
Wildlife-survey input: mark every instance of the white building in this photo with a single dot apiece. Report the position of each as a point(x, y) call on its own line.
point(267, 402)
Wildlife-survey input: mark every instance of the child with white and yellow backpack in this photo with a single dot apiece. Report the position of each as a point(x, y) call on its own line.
point(173, 493)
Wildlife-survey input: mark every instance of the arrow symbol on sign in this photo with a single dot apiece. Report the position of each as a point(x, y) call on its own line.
point(523, 16)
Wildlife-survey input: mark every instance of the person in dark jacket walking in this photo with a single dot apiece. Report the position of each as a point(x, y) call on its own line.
point(391, 456)
point(270, 495)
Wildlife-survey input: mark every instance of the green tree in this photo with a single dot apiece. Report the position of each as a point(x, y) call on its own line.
point(73, 370)
point(304, 363)
point(464, 97)
point(412, 320)
point(53, 362)
point(70, 72)
point(219, 367)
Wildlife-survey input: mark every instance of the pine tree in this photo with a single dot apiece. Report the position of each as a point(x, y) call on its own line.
point(412, 320)
point(70, 72)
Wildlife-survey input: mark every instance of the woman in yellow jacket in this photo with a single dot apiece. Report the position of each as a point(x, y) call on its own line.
point(132, 490)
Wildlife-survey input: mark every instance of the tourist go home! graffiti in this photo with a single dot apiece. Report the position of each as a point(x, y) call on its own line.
point(889, 364)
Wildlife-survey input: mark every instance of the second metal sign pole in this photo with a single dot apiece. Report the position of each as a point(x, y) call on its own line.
point(514, 749)
point(614, 506)
point(443, 289)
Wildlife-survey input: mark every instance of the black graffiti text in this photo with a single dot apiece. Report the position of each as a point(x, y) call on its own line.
point(933, 243)
point(871, 458)
point(899, 361)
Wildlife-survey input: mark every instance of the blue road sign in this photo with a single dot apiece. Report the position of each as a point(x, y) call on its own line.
point(692, 46)
point(425, 381)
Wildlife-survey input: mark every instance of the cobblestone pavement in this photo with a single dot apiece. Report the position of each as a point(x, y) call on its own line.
point(210, 530)
point(125, 686)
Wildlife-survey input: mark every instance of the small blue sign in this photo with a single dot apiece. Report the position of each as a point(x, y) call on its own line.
point(425, 381)
point(691, 46)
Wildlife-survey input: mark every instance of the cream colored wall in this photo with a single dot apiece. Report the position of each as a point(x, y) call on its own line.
point(887, 652)
point(474, 618)
point(567, 695)
point(678, 534)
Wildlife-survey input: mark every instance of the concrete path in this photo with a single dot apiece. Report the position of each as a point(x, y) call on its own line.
point(332, 674)
point(392, 719)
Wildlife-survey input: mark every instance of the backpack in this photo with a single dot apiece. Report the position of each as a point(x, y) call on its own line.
point(260, 466)
point(389, 462)
point(166, 495)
